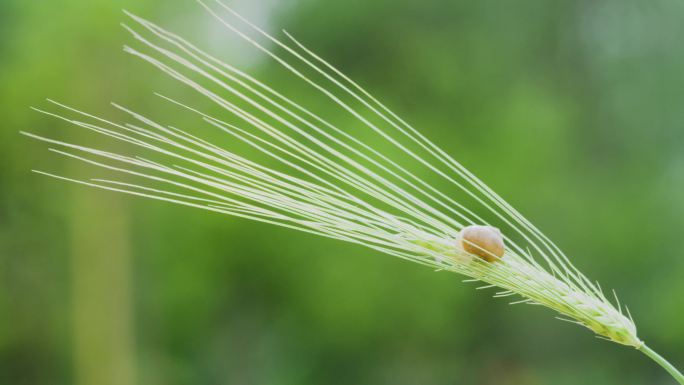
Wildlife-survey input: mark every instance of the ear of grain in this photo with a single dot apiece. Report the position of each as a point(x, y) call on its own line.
point(326, 181)
point(323, 180)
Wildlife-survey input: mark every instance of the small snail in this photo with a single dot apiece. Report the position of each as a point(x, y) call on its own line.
point(484, 241)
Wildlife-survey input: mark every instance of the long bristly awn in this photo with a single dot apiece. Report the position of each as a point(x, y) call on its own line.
point(324, 179)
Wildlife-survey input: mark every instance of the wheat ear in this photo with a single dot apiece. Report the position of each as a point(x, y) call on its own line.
point(323, 180)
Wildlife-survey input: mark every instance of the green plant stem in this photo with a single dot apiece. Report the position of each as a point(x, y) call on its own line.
point(676, 374)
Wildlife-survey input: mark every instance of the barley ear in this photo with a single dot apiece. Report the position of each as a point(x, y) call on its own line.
point(315, 176)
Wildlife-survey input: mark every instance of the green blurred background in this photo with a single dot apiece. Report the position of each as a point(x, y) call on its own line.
point(572, 110)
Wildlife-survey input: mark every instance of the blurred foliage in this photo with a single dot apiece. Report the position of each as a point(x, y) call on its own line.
point(571, 110)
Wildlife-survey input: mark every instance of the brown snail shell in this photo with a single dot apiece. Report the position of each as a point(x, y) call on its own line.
point(484, 241)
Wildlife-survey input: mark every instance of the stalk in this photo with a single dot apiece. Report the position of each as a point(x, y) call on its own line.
point(676, 374)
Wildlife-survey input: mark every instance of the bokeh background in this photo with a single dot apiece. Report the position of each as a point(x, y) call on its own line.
point(572, 110)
